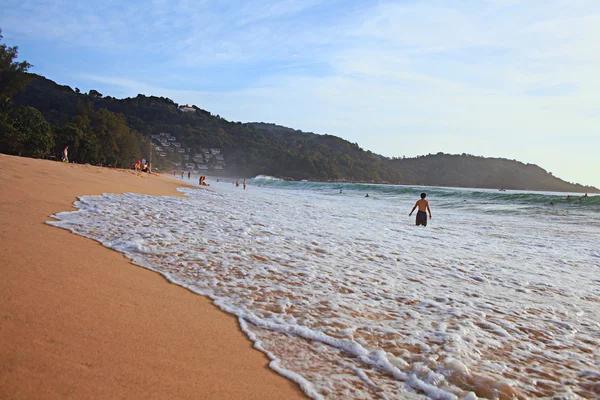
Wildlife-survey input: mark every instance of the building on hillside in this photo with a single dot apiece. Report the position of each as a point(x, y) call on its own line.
point(159, 149)
point(155, 136)
point(206, 151)
point(176, 144)
point(163, 134)
point(219, 157)
point(186, 108)
point(202, 166)
point(215, 151)
point(186, 157)
point(217, 166)
point(181, 151)
point(171, 138)
point(171, 150)
point(166, 145)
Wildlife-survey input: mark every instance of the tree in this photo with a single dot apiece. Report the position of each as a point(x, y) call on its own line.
point(95, 94)
point(13, 77)
point(25, 132)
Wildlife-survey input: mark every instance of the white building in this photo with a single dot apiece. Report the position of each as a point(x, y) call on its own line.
point(219, 158)
point(215, 151)
point(187, 108)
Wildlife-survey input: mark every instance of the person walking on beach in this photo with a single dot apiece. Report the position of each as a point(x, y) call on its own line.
point(244, 183)
point(421, 214)
point(65, 155)
point(189, 174)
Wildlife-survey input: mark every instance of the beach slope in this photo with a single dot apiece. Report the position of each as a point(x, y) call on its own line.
point(79, 321)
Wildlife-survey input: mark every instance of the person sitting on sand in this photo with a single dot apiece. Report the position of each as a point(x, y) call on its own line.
point(421, 214)
point(203, 181)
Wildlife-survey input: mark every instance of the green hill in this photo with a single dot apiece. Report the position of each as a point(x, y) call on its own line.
point(106, 130)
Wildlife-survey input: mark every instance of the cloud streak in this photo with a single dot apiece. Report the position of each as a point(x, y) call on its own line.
point(497, 77)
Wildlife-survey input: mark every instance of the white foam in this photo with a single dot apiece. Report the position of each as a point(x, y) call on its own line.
point(353, 301)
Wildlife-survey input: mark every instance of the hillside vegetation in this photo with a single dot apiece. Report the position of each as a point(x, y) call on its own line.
point(38, 118)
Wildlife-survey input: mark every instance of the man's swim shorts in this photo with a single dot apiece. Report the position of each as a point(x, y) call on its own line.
point(421, 218)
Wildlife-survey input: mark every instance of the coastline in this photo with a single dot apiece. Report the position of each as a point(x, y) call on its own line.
point(80, 321)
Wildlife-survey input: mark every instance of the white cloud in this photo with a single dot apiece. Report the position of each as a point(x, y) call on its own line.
point(499, 77)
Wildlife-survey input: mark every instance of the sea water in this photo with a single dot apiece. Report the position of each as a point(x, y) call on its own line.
point(498, 297)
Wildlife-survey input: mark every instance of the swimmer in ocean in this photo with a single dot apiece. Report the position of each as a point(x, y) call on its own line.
point(421, 214)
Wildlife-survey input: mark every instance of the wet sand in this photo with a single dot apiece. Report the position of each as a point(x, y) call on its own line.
point(78, 320)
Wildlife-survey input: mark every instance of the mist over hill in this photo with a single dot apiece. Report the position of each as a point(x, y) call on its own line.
point(87, 122)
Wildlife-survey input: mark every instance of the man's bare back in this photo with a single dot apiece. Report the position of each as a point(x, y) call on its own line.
point(423, 205)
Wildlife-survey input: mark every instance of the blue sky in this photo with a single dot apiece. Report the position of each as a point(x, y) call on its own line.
point(499, 78)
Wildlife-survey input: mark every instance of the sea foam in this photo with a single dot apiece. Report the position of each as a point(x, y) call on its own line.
point(351, 300)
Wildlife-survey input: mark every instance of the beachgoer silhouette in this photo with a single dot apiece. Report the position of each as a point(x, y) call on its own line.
point(367, 195)
point(421, 214)
point(65, 157)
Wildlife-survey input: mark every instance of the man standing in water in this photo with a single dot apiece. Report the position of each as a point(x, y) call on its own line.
point(421, 214)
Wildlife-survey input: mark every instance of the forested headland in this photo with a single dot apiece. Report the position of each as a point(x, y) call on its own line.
point(38, 117)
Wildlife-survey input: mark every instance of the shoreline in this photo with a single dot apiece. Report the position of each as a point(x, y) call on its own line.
point(81, 321)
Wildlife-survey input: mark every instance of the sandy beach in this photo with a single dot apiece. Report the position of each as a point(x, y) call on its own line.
point(80, 321)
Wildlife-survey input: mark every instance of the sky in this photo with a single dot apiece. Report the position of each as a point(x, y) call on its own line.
point(516, 79)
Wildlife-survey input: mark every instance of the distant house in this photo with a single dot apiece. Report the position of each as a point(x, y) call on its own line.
point(215, 151)
point(198, 155)
point(207, 156)
point(186, 157)
point(218, 166)
point(163, 134)
point(177, 164)
point(163, 154)
point(171, 150)
point(206, 151)
point(171, 138)
point(187, 108)
point(155, 136)
point(219, 158)
point(190, 165)
point(177, 144)
point(160, 149)
point(202, 166)
point(163, 140)
point(166, 145)
point(181, 150)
